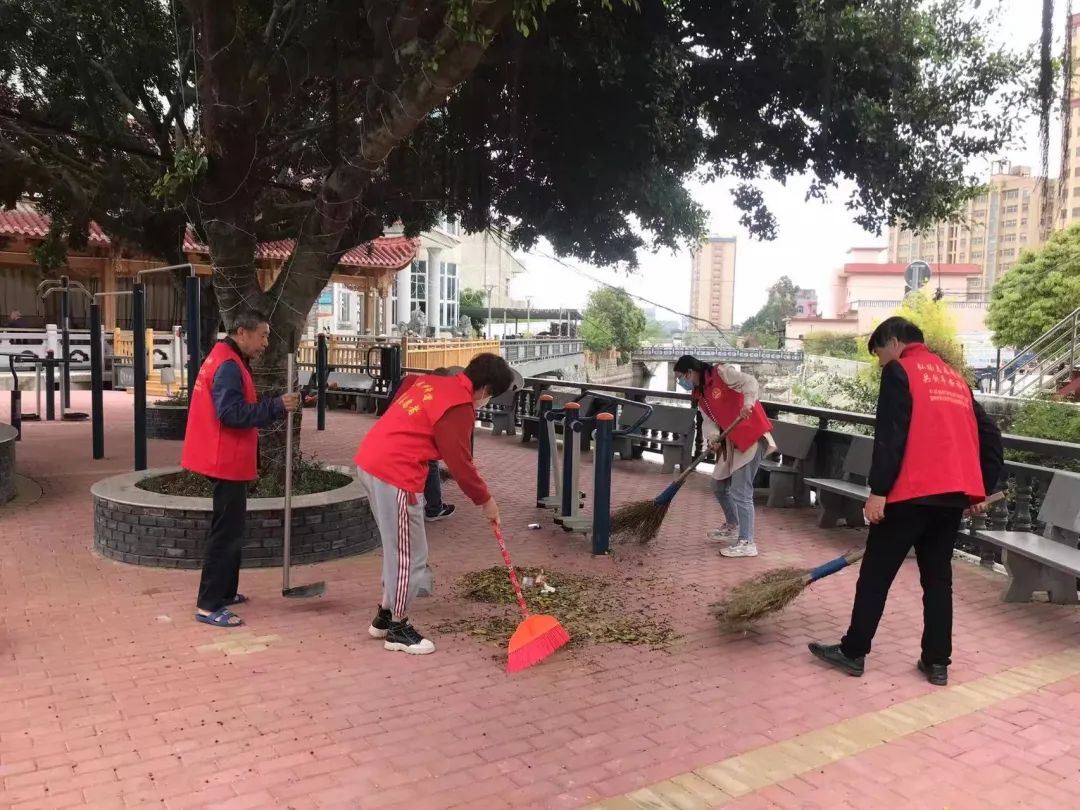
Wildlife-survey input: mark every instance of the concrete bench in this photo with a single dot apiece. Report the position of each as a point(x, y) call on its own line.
point(843, 498)
point(499, 412)
point(668, 427)
point(1050, 561)
point(795, 444)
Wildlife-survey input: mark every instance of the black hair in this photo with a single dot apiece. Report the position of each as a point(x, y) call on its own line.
point(690, 363)
point(247, 319)
point(895, 327)
point(490, 370)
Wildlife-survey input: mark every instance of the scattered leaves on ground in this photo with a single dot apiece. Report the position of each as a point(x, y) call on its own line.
point(592, 609)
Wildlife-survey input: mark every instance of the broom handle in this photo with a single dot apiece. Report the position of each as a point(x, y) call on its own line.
point(510, 568)
point(853, 556)
point(690, 467)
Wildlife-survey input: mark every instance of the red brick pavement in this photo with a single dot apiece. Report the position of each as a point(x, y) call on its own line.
point(109, 696)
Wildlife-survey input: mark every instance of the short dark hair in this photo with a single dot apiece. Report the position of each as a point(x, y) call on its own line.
point(490, 370)
point(690, 363)
point(895, 327)
point(247, 318)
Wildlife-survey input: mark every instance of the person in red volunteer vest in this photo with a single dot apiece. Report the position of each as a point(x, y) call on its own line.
point(430, 417)
point(724, 394)
point(936, 453)
point(222, 443)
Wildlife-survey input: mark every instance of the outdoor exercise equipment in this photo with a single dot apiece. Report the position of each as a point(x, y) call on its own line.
point(64, 286)
point(315, 588)
point(140, 372)
point(567, 469)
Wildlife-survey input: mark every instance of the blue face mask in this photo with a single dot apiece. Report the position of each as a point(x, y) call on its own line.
point(685, 384)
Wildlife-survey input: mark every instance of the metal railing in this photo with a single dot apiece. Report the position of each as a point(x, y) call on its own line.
point(521, 351)
point(1045, 364)
point(719, 353)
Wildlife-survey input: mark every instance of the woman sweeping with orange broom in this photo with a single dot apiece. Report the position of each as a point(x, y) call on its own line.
point(724, 394)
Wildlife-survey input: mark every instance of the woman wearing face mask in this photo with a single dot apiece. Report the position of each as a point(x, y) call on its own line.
point(723, 393)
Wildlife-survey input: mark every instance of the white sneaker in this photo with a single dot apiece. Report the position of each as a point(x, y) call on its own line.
point(725, 532)
point(403, 637)
point(740, 550)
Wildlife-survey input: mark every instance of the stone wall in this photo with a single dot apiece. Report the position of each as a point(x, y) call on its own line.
point(166, 421)
point(7, 462)
point(144, 528)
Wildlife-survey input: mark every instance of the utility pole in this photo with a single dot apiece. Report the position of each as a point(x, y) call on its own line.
point(489, 288)
point(528, 314)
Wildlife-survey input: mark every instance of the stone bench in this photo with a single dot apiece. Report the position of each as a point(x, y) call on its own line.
point(843, 498)
point(499, 413)
point(795, 444)
point(668, 427)
point(8, 436)
point(1047, 562)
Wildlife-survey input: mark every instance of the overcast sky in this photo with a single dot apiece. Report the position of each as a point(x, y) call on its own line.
point(813, 236)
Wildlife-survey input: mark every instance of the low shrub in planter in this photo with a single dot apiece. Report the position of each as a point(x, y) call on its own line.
point(310, 476)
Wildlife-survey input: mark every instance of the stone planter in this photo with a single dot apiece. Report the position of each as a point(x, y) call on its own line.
point(7, 462)
point(139, 527)
point(166, 422)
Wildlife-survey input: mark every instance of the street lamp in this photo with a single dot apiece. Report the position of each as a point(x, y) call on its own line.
point(489, 288)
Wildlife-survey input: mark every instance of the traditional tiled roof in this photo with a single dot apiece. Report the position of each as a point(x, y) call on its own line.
point(384, 253)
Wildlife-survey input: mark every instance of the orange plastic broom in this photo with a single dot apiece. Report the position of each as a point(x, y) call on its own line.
point(537, 636)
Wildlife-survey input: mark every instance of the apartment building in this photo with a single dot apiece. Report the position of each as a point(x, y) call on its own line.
point(991, 231)
point(712, 283)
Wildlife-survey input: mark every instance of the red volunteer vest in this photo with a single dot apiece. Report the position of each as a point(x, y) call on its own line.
point(399, 446)
point(211, 448)
point(722, 404)
point(942, 451)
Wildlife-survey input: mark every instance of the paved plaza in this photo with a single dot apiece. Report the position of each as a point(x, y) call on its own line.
point(112, 696)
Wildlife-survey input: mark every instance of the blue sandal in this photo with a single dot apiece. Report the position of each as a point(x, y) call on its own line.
point(222, 617)
point(239, 599)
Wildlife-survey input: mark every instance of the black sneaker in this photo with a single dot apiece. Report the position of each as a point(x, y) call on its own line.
point(831, 654)
point(446, 511)
point(937, 674)
point(381, 623)
point(403, 637)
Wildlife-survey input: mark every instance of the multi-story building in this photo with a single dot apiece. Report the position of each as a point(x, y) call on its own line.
point(712, 283)
point(488, 263)
point(447, 262)
point(990, 231)
point(1069, 202)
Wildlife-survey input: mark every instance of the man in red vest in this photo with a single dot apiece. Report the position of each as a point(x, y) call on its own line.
point(936, 453)
point(222, 443)
point(432, 417)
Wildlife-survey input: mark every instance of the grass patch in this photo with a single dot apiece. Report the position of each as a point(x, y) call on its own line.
point(309, 478)
point(593, 610)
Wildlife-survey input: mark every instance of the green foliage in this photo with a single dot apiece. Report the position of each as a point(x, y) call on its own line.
point(832, 344)
point(767, 324)
point(1038, 291)
point(859, 392)
point(938, 327)
point(654, 332)
point(1046, 419)
point(175, 186)
point(612, 320)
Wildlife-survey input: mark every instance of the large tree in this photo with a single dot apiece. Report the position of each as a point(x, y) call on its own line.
point(1038, 291)
point(327, 120)
point(612, 320)
point(766, 326)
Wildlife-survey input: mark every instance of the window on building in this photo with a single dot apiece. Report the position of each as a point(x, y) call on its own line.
point(1012, 194)
point(418, 287)
point(448, 294)
point(1010, 209)
point(345, 311)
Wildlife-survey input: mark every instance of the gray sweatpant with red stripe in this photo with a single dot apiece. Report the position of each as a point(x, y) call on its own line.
point(405, 571)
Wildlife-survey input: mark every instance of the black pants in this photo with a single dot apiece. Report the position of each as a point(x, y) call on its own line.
point(221, 566)
point(932, 530)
